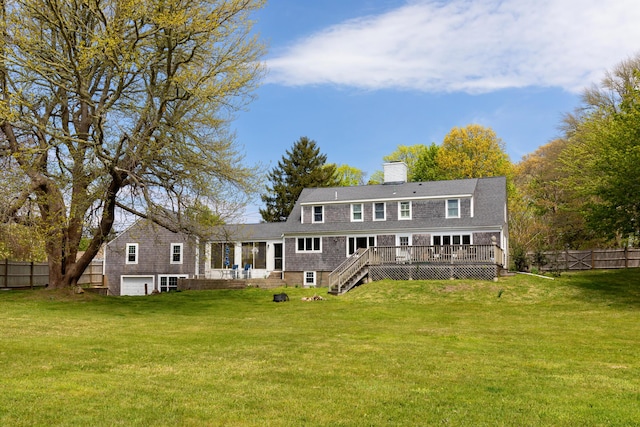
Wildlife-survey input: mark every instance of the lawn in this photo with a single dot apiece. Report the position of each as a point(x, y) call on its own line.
point(523, 351)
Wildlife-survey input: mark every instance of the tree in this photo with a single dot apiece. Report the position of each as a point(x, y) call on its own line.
point(409, 154)
point(604, 152)
point(114, 104)
point(473, 151)
point(302, 167)
point(545, 212)
point(349, 176)
point(426, 166)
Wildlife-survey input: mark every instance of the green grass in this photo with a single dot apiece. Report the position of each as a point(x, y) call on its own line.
point(523, 351)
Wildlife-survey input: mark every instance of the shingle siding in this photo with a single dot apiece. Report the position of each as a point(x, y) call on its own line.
point(333, 253)
point(386, 240)
point(485, 238)
point(154, 254)
point(421, 239)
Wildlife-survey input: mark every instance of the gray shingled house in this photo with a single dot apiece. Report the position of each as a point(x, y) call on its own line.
point(397, 227)
point(337, 237)
point(147, 257)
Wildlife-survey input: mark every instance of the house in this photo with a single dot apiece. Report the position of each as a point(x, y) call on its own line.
point(147, 257)
point(334, 237)
point(328, 225)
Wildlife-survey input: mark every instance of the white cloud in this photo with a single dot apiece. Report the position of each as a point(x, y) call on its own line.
point(467, 45)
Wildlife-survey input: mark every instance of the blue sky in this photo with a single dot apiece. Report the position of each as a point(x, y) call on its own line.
point(361, 77)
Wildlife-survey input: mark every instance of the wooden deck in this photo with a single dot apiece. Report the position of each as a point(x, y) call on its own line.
point(417, 263)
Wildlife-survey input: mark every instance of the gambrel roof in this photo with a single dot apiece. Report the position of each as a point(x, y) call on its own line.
point(488, 196)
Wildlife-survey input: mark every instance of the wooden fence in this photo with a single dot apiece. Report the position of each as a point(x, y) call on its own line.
point(18, 274)
point(588, 260)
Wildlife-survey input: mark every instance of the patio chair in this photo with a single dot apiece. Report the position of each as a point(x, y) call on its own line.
point(247, 271)
point(234, 271)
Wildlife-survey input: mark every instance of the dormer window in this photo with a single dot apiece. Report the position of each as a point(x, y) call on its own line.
point(379, 211)
point(356, 212)
point(453, 208)
point(404, 209)
point(318, 214)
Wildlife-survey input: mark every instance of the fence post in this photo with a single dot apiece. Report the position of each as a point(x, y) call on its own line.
point(31, 275)
point(6, 272)
point(626, 257)
point(593, 259)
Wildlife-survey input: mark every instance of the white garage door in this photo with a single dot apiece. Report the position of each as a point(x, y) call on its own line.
point(135, 285)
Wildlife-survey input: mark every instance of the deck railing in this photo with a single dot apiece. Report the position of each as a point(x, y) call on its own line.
point(349, 268)
point(450, 254)
point(435, 255)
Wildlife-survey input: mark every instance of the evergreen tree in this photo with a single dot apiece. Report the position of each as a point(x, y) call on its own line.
point(302, 167)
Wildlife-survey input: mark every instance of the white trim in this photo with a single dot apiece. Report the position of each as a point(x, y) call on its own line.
point(305, 284)
point(400, 217)
point(472, 206)
point(361, 212)
point(450, 234)
point(309, 251)
point(126, 253)
point(409, 236)
point(150, 287)
point(197, 259)
point(390, 199)
point(171, 253)
point(403, 252)
point(313, 214)
point(446, 208)
point(384, 211)
point(359, 236)
point(160, 276)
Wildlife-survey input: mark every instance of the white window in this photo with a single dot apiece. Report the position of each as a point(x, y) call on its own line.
point(176, 253)
point(309, 279)
point(356, 212)
point(379, 211)
point(453, 208)
point(170, 283)
point(360, 242)
point(132, 253)
point(318, 214)
point(452, 239)
point(404, 209)
point(308, 244)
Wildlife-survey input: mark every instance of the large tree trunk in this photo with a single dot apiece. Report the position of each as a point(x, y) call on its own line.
point(64, 272)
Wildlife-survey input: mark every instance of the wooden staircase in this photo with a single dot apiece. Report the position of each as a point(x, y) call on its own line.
point(350, 272)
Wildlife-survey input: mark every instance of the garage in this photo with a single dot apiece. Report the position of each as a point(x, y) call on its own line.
point(136, 285)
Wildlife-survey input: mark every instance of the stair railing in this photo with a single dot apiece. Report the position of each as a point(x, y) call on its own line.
point(350, 267)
